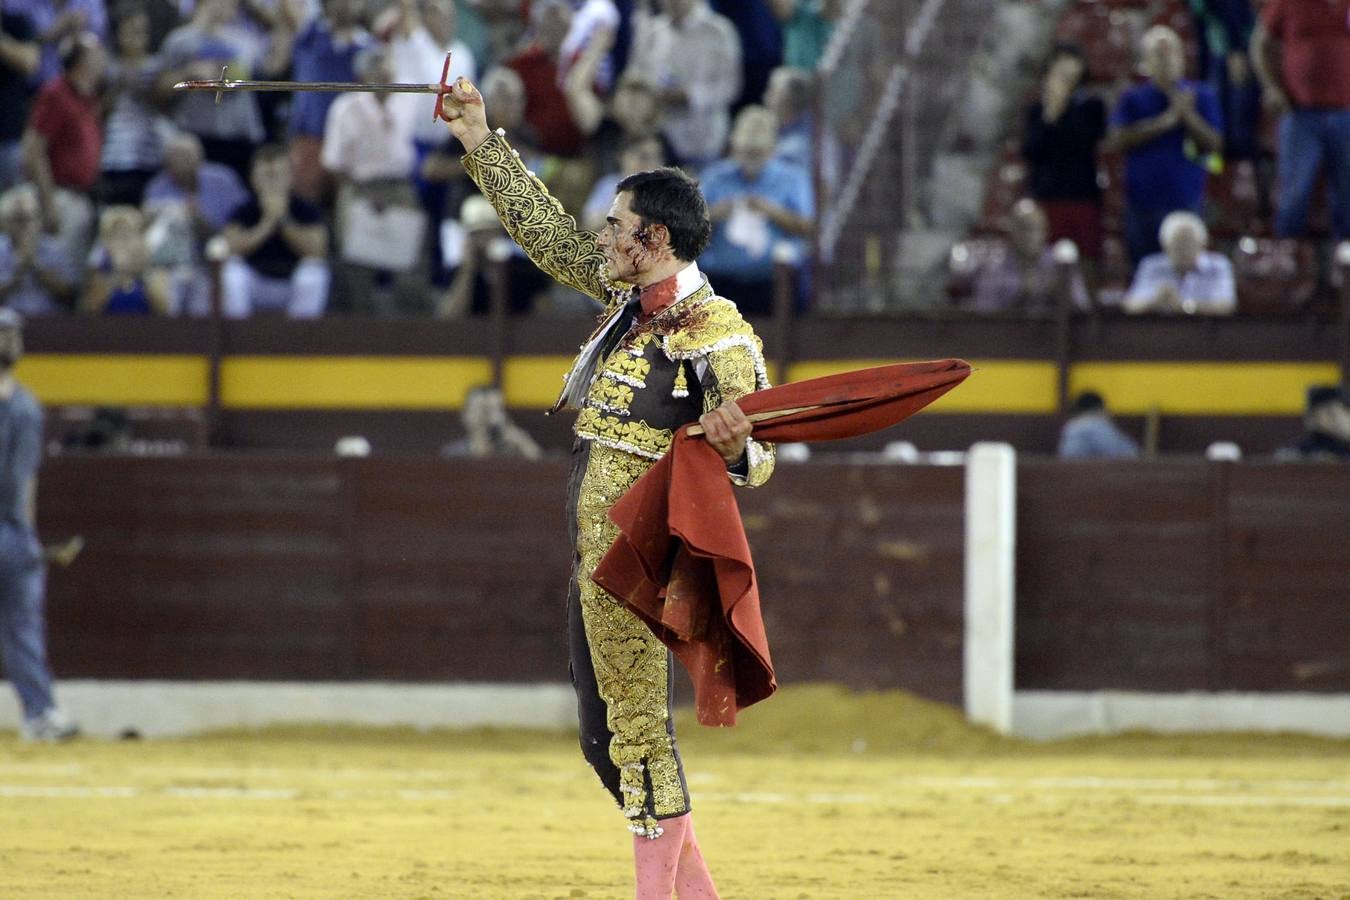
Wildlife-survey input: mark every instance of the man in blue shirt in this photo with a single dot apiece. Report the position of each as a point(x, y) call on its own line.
point(23, 632)
point(1090, 433)
point(760, 206)
point(1170, 131)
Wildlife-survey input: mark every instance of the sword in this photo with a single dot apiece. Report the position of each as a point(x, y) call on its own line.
point(225, 85)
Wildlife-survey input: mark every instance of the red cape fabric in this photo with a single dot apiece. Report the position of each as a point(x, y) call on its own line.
point(682, 563)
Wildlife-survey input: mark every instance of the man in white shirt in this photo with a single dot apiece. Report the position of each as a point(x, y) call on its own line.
point(693, 56)
point(1185, 278)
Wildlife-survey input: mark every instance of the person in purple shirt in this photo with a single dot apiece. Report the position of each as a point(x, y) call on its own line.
point(210, 191)
point(1170, 131)
point(54, 20)
point(757, 204)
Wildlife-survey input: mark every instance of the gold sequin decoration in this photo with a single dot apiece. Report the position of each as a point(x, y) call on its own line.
point(630, 662)
point(538, 223)
point(611, 396)
point(635, 437)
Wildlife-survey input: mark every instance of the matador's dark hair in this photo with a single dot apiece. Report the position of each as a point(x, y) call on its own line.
point(671, 197)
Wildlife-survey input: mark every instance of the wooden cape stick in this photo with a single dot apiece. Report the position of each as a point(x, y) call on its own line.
point(697, 429)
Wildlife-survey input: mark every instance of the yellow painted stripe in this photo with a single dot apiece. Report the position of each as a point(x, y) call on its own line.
point(995, 385)
point(115, 379)
point(356, 382)
point(1202, 388)
point(533, 382)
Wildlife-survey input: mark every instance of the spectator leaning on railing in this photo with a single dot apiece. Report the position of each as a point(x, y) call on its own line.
point(1185, 277)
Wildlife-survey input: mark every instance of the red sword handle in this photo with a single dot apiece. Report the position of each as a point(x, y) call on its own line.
point(444, 88)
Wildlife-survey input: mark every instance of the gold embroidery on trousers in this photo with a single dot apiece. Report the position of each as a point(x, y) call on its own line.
point(631, 663)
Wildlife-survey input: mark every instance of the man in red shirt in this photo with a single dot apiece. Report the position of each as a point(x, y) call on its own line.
point(1310, 84)
point(546, 107)
point(63, 142)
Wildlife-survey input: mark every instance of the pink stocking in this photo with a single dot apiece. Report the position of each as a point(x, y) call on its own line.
point(656, 859)
point(692, 879)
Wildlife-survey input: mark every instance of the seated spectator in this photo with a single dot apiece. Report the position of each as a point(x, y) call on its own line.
point(1310, 85)
point(326, 47)
point(1090, 432)
point(37, 275)
point(1326, 424)
point(121, 280)
point(489, 431)
point(1026, 278)
point(1169, 130)
point(694, 57)
point(639, 154)
point(63, 142)
point(133, 142)
point(1059, 143)
point(185, 204)
point(381, 226)
point(1185, 277)
point(231, 129)
point(278, 244)
point(20, 54)
point(539, 66)
point(472, 273)
point(756, 204)
point(54, 21)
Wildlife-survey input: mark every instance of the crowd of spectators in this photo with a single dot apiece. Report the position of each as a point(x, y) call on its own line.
point(119, 193)
point(1271, 96)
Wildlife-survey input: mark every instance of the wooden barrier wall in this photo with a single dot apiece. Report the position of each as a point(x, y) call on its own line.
point(1162, 576)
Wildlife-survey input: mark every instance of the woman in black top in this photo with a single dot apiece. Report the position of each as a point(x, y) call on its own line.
point(1059, 144)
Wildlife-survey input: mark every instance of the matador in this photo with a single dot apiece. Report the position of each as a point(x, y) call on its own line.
point(668, 351)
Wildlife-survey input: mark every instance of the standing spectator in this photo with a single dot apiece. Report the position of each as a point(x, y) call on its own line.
point(632, 110)
point(23, 575)
point(325, 50)
point(121, 280)
point(472, 273)
point(802, 140)
point(1326, 427)
point(20, 54)
point(278, 244)
point(1060, 138)
point(63, 143)
point(37, 275)
point(1026, 279)
point(756, 203)
point(693, 57)
point(1168, 129)
point(421, 31)
point(1311, 87)
point(761, 40)
point(539, 68)
point(1223, 29)
point(133, 145)
point(1185, 278)
point(54, 21)
point(1091, 434)
point(807, 26)
point(232, 128)
point(369, 149)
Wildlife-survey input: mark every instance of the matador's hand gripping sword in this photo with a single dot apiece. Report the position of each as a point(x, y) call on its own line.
point(224, 85)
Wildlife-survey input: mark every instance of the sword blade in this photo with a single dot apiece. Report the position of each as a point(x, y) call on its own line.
point(219, 85)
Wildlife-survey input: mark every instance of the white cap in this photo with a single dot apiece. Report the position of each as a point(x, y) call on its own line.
point(1065, 252)
point(353, 445)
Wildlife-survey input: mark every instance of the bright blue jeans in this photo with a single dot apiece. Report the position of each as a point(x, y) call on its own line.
point(1312, 140)
point(23, 628)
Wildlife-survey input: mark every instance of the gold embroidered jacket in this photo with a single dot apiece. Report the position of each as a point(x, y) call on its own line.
point(657, 376)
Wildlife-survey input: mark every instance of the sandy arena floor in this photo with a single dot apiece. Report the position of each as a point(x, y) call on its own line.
point(817, 794)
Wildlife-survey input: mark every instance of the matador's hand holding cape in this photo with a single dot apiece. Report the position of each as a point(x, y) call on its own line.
point(682, 563)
